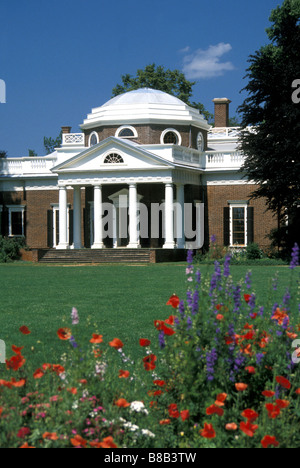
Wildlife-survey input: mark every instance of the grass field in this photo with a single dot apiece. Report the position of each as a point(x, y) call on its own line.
point(113, 300)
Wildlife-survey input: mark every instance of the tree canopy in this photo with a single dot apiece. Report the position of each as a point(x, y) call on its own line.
point(157, 77)
point(50, 144)
point(272, 147)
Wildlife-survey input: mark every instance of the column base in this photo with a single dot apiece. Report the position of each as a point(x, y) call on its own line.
point(99, 245)
point(169, 245)
point(63, 246)
point(133, 245)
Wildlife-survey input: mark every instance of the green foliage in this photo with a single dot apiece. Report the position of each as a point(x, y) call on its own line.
point(10, 248)
point(50, 144)
point(272, 150)
point(31, 153)
point(253, 251)
point(3, 154)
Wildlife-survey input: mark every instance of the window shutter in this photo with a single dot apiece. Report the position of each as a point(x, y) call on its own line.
point(50, 228)
point(250, 224)
point(226, 226)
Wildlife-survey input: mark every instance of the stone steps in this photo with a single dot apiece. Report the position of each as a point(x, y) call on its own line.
point(96, 256)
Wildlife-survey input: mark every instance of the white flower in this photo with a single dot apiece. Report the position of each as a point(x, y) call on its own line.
point(138, 406)
point(148, 433)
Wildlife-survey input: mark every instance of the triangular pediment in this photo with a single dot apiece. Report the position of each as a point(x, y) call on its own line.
point(112, 154)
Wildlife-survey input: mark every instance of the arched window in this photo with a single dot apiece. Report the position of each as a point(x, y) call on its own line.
point(126, 132)
point(93, 140)
point(113, 158)
point(170, 136)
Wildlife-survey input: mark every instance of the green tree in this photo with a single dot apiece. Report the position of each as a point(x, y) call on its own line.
point(157, 77)
point(31, 153)
point(50, 144)
point(3, 154)
point(272, 146)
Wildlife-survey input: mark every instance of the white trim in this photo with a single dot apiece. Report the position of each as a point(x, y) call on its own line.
point(15, 209)
point(162, 136)
point(238, 205)
point(135, 135)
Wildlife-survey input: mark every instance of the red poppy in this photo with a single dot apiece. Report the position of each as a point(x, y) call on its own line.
point(160, 325)
point(268, 393)
point(282, 403)
point(221, 397)
point(285, 383)
point(122, 403)
point(297, 391)
point(241, 387)
point(107, 442)
point(170, 320)
point(220, 317)
point(247, 297)
point(58, 369)
point(124, 374)
point(17, 349)
point(96, 339)
point(18, 383)
point(38, 374)
point(231, 427)
point(173, 301)
point(163, 422)
point(248, 428)
point(273, 410)
point(149, 362)
point(173, 411)
point(23, 432)
point(15, 362)
point(78, 441)
point(50, 436)
point(208, 432)
point(250, 415)
point(160, 383)
point(72, 390)
point(25, 330)
point(116, 343)
point(214, 409)
point(184, 414)
point(144, 342)
point(269, 440)
point(64, 333)
point(250, 369)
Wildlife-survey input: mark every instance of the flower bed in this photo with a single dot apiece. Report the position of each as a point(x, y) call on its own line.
point(224, 372)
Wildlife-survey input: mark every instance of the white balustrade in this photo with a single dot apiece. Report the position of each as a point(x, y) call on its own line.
point(73, 139)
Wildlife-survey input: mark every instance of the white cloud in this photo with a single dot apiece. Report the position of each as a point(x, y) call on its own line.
point(207, 63)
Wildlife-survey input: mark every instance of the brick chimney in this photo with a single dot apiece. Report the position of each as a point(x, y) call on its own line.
point(221, 112)
point(66, 129)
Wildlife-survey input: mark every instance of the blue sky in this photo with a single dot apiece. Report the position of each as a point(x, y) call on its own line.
point(60, 59)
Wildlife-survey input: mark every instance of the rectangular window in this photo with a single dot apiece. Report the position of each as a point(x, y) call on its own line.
point(238, 226)
point(16, 225)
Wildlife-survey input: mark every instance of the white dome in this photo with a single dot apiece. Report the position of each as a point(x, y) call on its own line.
point(144, 96)
point(142, 106)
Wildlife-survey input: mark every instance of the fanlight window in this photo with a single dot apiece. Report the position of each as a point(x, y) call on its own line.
point(113, 158)
point(126, 132)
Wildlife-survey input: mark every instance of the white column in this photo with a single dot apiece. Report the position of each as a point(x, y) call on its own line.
point(133, 218)
point(63, 221)
point(169, 217)
point(98, 241)
point(179, 234)
point(77, 217)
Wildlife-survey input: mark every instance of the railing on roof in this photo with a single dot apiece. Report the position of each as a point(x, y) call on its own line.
point(73, 139)
point(27, 165)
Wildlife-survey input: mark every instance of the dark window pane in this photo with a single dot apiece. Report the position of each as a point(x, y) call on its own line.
point(16, 223)
point(126, 132)
point(238, 226)
point(170, 138)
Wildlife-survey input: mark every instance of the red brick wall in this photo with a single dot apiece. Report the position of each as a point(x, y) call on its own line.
point(217, 199)
point(150, 134)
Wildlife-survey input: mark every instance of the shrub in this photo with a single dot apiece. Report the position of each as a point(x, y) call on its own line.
point(253, 251)
point(10, 248)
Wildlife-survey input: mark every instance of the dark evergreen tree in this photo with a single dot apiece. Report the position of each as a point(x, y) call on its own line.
point(272, 146)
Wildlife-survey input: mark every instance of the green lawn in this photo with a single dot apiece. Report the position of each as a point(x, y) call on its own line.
point(114, 300)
